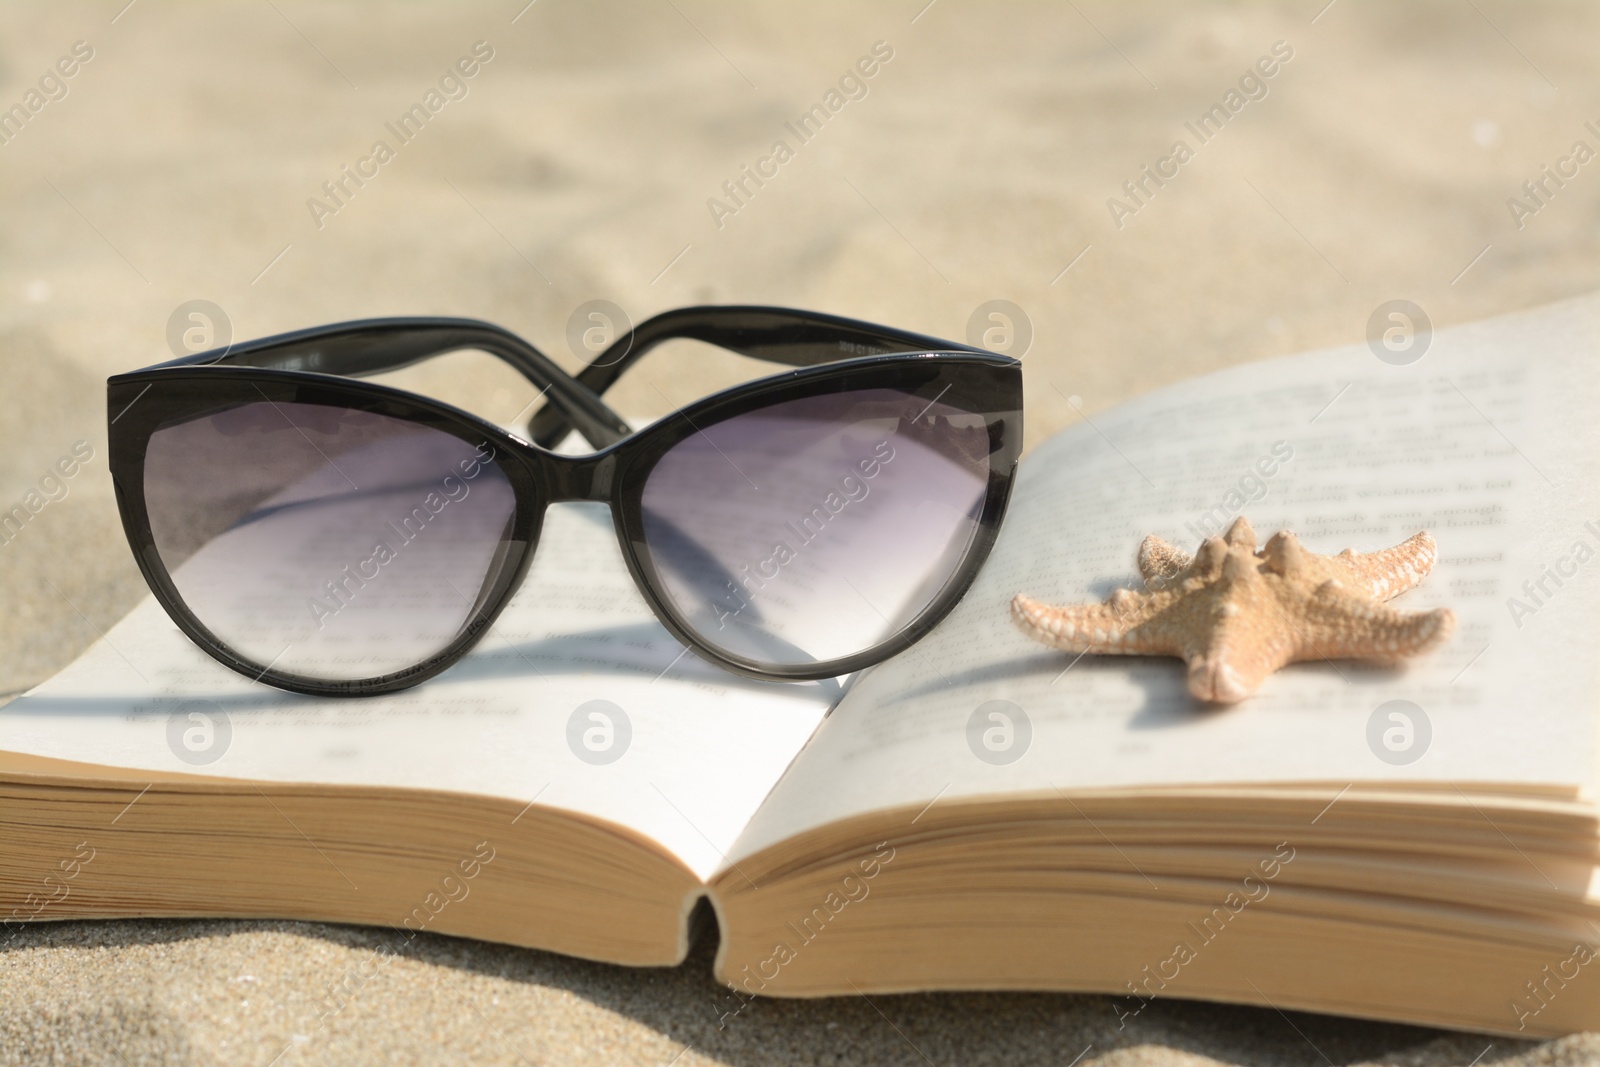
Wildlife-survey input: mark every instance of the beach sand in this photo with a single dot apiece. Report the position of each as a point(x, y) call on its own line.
point(186, 161)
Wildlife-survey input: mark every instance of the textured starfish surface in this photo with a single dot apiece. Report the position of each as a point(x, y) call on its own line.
point(1235, 615)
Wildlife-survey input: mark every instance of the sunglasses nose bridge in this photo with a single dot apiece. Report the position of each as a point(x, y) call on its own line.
point(579, 477)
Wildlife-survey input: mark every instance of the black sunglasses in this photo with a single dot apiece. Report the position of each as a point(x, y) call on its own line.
point(335, 537)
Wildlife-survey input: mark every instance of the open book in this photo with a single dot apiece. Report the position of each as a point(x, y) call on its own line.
point(980, 812)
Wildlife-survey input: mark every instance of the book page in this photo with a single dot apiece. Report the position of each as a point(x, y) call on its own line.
point(577, 698)
point(1488, 441)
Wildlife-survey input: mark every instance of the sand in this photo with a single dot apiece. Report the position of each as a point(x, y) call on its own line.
point(181, 165)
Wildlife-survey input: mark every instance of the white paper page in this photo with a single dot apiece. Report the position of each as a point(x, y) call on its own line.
point(1489, 441)
point(705, 746)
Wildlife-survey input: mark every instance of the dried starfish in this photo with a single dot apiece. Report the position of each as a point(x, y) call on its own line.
point(1235, 615)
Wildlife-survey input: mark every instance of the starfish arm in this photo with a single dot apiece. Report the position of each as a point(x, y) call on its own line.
point(1104, 628)
point(1160, 561)
point(1241, 535)
point(1206, 566)
point(1388, 573)
point(1338, 624)
point(1234, 658)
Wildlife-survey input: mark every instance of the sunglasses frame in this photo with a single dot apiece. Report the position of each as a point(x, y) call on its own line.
point(316, 366)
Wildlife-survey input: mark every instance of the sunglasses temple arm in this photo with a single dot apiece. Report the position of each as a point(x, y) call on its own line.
point(361, 349)
point(582, 406)
point(775, 335)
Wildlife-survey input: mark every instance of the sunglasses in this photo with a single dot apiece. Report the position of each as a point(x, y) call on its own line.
point(335, 537)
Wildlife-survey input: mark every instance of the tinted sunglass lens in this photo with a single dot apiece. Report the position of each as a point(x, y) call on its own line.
point(323, 541)
point(816, 528)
